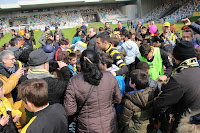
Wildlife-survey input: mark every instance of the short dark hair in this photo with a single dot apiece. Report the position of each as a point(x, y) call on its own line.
point(13, 30)
point(139, 78)
point(116, 29)
point(128, 35)
point(114, 41)
point(189, 30)
point(34, 91)
point(120, 22)
point(101, 29)
point(14, 41)
point(106, 59)
point(64, 42)
point(143, 66)
point(72, 55)
point(138, 38)
point(143, 27)
point(49, 41)
point(104, 37)
point(145, 49)
point(157, 38)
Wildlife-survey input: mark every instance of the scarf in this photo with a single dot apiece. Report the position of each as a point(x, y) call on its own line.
point(10, 70)
point(39, 74)
point(192, 62)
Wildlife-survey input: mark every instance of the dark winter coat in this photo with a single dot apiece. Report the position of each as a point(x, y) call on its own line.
point(98, 115)
point(92, 44)
point(181, 92)
point(136, 111)
point(56, 87)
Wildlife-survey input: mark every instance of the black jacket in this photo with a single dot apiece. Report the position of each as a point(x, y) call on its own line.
point(29, 41)
point(52, 119)
point(56, 87)
point(181, 92)
point(92, 44)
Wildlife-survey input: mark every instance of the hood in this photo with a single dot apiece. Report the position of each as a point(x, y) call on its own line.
point(13, 49)
point(48, 48)
point(129, 44)
point(143, 99)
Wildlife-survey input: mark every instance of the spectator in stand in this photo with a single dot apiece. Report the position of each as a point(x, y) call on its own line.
point(98, 114)
point(60, 33)
point(189, 36)
point(167, 35)
point(15, 34)
point(29, 40)
point(84, 28)
point(122, 29)
point(77, 36)
point(93, 37)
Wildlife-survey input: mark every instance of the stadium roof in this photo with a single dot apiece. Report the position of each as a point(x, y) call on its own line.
point(24, 4)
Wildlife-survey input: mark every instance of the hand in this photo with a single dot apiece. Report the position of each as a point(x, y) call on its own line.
point(19, 72)
point(186, 21)
point(61, 64)
point(16, 118)
point(114, 73)
point(167, 39)
point(4, 120)
point(162, 78)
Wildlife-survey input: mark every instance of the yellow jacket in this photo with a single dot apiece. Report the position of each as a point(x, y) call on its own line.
point(8, 85)
point(5, 104)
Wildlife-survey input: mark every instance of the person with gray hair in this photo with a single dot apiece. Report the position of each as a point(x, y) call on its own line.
point(10, 73)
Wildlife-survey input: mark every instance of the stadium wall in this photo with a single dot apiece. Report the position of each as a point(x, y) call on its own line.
point(130, 11)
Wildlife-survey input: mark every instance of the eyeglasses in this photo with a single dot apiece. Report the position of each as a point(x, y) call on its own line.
point(13, 59)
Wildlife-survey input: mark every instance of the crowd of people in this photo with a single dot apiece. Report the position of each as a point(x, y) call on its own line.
point(187, 8)
point(61, 18)
point(117, 80)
